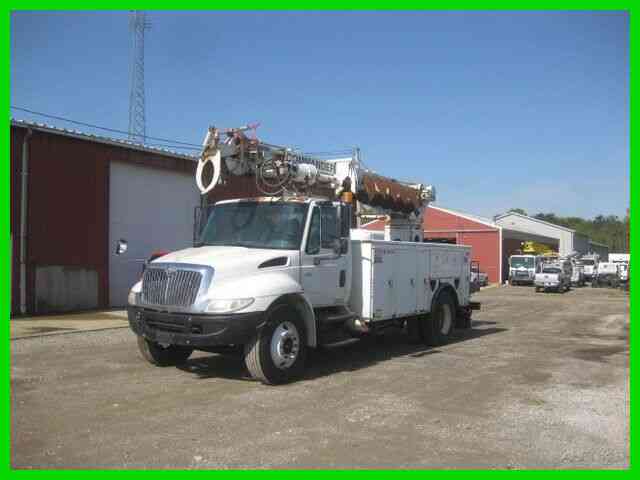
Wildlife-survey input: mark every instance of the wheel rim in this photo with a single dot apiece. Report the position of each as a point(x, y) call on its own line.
point(445, 319)
point(285, 345)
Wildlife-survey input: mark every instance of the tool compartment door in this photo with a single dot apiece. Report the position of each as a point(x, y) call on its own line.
point(382, 291)
point(405, 268)
point(423, 287)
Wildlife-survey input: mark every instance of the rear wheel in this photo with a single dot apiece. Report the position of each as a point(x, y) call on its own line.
point(163, 356)
point(278, 352)
point(438, 325)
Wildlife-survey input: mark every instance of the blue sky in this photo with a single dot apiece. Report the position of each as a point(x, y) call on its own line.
point(497, 110)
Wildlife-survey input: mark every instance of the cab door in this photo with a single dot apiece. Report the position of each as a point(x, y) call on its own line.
point(326, 269)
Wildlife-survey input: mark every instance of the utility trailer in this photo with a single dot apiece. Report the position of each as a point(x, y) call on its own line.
point(274, 276)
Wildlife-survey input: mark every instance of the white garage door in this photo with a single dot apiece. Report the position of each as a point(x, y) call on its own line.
point(153, 210)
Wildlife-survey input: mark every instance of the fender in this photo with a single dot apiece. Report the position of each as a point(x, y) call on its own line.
point(444, 285)
point(303, 305)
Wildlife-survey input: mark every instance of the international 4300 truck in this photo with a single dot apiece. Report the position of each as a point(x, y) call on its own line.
point(277, 275)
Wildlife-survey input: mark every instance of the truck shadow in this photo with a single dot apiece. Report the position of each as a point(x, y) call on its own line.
point(327, 361)
point(372, 350)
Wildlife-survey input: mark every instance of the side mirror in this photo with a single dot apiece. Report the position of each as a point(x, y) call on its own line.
point(121, 246)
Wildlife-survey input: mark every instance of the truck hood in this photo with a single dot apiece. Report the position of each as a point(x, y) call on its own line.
point(226, 261)
point(547, 277)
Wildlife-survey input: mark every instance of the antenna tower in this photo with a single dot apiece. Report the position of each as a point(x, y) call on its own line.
point(137, 128)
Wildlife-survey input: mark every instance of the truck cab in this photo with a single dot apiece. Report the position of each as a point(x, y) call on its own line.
point(523, 269)
point(590, 263)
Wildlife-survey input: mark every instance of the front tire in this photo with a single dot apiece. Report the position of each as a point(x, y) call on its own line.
point(156, 354)
point(438, 325)
point(277, 354)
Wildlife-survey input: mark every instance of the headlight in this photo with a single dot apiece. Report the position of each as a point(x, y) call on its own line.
point(133, 298)
point(228, 306)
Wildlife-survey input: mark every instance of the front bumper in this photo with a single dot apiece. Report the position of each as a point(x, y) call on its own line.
point(194, 330)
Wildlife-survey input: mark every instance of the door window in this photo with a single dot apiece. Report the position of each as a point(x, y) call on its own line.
point(313, 241)
point(329, 229)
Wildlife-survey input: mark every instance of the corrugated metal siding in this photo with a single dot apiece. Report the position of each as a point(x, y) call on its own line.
point(525, 224)
point(581, 243)
point(435, 219)
point(17, 136)
point(68, 207)
point(68, 204)
point(485, 249)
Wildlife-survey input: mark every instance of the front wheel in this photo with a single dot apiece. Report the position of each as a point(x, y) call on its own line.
point(163, 356)
point(438, 325)
point(278, 352)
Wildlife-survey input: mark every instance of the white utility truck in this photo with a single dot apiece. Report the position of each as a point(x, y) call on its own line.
point(607, 275)
point(622, 259)
point(276, 275)
point(523, 269)
point(577, 275)
point(590, 262)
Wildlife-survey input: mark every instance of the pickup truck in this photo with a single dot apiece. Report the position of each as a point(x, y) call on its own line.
point(552, 277)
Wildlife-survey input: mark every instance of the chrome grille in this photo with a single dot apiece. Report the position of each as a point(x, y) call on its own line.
point(170, 286)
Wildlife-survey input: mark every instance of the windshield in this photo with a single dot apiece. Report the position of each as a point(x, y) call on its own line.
point(588, 262)
point(551, 270)
point(526, 262)
point(276, 225)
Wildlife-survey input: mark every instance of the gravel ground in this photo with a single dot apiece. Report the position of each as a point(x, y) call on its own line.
point(542, 380)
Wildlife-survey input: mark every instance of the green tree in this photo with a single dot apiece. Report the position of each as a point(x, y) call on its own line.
point(518, 210)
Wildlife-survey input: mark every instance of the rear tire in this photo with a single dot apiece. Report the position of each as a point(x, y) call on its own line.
point(160, 356)
point(277, 354)
point(439, 324)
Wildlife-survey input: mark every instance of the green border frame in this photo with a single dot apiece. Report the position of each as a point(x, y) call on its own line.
point(336, 5)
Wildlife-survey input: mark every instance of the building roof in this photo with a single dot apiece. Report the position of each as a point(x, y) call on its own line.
point(474, 218)
point(118, 142)
point(537, 220)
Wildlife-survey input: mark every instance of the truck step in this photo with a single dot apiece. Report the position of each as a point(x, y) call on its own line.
point(334, 337)
point(342, 343)
point(333, 318)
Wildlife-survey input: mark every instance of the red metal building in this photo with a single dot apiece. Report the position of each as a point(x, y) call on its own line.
point(68, 216)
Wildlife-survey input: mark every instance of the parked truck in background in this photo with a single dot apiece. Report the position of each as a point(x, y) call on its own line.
point(577, 274)
point(622, 260)
point(277, 275)
point(554, 276)
point(523, 269)
point(590, 262)
point(607, 275)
